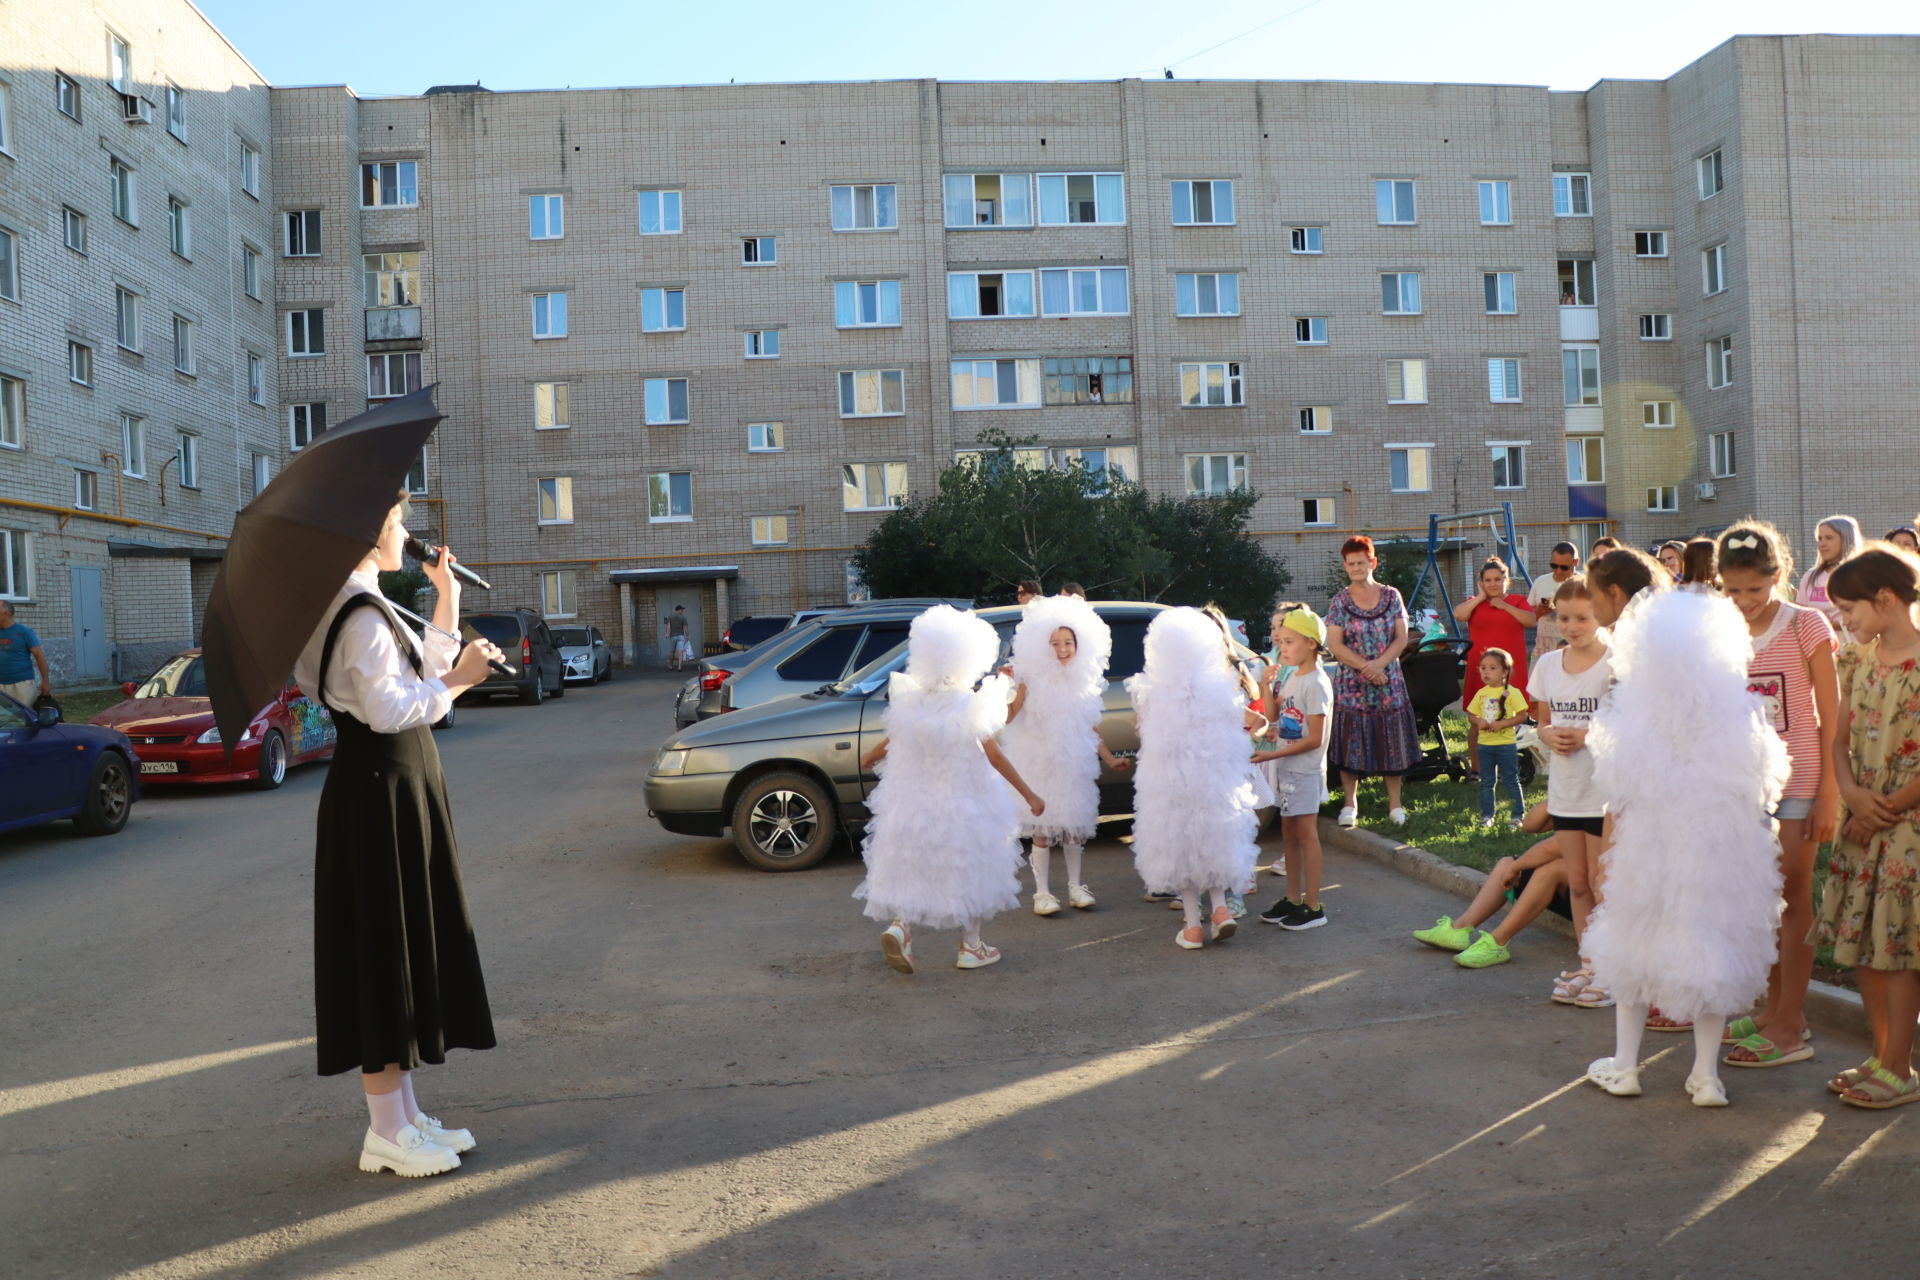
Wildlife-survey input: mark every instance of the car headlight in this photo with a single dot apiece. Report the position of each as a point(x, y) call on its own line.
point(670, 761)
point(210, 738)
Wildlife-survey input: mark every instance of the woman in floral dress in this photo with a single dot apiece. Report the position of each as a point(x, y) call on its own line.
point(1373, 729)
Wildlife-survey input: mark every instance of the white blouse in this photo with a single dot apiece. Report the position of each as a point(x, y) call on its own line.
point(371, 679)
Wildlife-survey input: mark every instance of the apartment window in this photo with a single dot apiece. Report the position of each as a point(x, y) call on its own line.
point(416, 481)
point(86, 490)
point(307, 332)
point(1400, 293)
point(866, 304)
point(666, 400)
point(392, 373)
point(260, 471)
point(1656, 328)
point(1067, 199)
point(389, 184)
point(80, 363)
point(996, 384)
point(1310, 331)
point(1203, 203)
point(126, 318)
point(1720, 363)
point(120, 184)
point(9, 265)
point(670, 496)
point(549, 315)
point(1031, 459)
point(303, 233)
point(256, 379)
point(988, 199)
point(1407, 380)
point(872, 393)
point(766, 437)
point(66, 95)
point(1316, 420)
point(1713, 270)
point(659, 213)
point(189, 455)
point(1502, 298)
point(177, 112)
point(1212, 385)
point(250, 172)
point(552, 410)
point(1393, 204)
point(1711, 169)
point(1503, 380)
point(758, 251)
point(1509, 465)
point(762, 344)
point(1496, 203)
point(1656, 414)
point(1663, 497)
point(13, 408)
point(6, 117)
point(1088, 379)
point(1206, 294)
point(16, 578)
point(179, 233)
point(769, 531)
point(865, 207)
point(547, 217)
point(1721, 457)
point(1587, 460)
point(1121, 462)
point(1213, 475)
point(250, 271)
point(872, 486)
point(559, 593)
point(976, 294)
point(1572, 195)
point(119, 63)
point(1576, 282)
point(73, 229)
point(183, 345)
point(1649, 244)
point(555, 495)
point(305, 423)
point(1580, 375)
point(391, 279)
point(663, 310)
point(1303, 239)
point(1410, 468)
point(1318, 512)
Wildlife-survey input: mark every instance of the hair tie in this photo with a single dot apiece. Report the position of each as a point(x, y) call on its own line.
point(1744, 542)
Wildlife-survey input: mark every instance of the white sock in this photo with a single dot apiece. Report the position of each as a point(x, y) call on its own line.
point(1041, 860)
point(1706, 1045)
point(1629, 1025)
point(387, 1113)
point(1074, 853)
point(971, 938)
point(1190, 903)
point(406, 1093)
point(1220, 899)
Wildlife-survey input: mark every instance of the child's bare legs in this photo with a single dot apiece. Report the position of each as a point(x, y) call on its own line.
point(1304, 858)
point(1902, 1006)
point(1874, 997)
point(1041, 860)
point(1784, 1020)
point(1540, 889)
point(1393, 781)
point(1573, 860)
point(1350, 783)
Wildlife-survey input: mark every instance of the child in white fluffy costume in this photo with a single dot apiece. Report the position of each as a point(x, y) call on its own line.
point(942, 847)
point(1691, 769)
point(1197, 790)
point(1052, 738)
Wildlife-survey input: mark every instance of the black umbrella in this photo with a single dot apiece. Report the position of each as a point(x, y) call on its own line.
point(295, 544)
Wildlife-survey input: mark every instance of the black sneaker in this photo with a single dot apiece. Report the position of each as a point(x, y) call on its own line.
point(1153, 895)
point(1303, 917)
point(1279, 911)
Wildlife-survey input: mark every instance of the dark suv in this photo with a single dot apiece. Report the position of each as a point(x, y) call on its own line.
point(531, 649)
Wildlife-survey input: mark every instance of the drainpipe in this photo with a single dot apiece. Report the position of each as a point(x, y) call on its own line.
point(119, 483)
point(163, 477)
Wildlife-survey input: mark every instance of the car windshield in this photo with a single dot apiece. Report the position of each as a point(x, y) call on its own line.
point(572, 637)
point(182, 677)
point(501, 628)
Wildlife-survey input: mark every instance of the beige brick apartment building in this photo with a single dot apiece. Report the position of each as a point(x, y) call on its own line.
point(694, 342)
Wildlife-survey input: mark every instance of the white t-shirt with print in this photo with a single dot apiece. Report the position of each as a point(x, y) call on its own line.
point(1571, 700)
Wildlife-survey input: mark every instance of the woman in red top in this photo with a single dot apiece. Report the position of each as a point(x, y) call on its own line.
point(1495, 620)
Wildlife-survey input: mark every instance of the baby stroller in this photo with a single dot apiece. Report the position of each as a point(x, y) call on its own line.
point(1434, 670)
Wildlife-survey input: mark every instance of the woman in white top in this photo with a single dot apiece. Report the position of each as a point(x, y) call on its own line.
point(1837, 537)
point(396, 972)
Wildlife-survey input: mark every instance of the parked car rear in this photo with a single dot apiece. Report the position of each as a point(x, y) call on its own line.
point(751, 630)
point(531, 650)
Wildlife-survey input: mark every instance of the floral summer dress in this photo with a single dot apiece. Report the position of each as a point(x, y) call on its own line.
point(1373, 729)
point(1867, 907)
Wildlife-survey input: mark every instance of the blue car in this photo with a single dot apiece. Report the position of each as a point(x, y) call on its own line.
point(50, 770)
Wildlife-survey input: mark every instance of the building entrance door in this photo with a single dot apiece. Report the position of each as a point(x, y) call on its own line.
point(665, 598)
point(89, 626)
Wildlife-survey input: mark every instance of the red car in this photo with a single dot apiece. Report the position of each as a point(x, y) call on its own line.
point(169, 719)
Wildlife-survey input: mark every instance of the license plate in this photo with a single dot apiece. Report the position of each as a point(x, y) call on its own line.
point(159, 766)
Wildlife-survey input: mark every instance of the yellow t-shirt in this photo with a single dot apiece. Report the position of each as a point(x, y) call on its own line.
point(1490, 704)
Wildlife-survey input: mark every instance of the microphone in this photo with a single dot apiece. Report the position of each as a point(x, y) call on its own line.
point(431, 555)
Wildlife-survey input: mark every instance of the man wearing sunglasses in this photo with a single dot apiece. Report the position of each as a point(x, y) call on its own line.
point(1564, 564)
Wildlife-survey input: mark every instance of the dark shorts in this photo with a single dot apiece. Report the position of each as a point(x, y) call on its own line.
point(1559, 902)
point(1590, 826)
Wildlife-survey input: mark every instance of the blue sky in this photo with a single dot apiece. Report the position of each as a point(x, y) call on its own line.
point(384, 48)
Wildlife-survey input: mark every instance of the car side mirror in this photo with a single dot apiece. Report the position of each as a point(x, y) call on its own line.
point(47, 717)
point(127, 688)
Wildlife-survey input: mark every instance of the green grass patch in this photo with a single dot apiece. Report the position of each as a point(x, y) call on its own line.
point(82, 705)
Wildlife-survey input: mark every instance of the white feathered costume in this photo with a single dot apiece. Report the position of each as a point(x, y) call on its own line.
point(941, 847)
point(1195, 790)
point(1691, 769)
point(1054, 742)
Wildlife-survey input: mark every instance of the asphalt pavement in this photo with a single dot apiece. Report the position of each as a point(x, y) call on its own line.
point(708, 1071)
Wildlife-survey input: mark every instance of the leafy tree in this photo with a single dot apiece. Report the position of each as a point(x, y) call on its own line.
point(403, 587)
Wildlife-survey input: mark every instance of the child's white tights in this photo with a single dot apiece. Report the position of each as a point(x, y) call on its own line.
point(971, 937)
point(1190, 903)
point(1042, 863)
point(1630, 1025)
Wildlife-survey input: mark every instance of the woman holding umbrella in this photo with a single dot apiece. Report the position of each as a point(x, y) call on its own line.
point(397, 977)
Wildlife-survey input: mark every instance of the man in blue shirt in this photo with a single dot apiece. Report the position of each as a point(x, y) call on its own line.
point(20, 653)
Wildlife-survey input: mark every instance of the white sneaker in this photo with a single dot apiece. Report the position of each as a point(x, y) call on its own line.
point(897, 946)
point(454, 1140)
point(979, 957)
point(1621, 1082)
point(1077, 896)
point(1397, 816)
point(410, 1154)
point(1706, 1091)
point(1349, 816)
point(1045, 904)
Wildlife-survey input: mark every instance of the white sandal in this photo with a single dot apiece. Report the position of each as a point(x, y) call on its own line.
point(1707, 1091)
point(1593, 996)
point(1621, 1082)
point(1568, 986)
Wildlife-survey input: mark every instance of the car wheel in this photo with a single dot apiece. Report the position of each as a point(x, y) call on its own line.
point(273, 762)
point(536, 693)
point(109, 797)
point(784, 822)
point(446, 721)
point(605, 677)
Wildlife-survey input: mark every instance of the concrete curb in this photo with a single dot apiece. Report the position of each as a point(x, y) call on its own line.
point(1834, 1008)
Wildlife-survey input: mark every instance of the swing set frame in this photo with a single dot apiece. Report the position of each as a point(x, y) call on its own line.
point(1499, 523)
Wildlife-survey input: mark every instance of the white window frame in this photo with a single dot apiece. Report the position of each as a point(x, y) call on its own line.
point(6, 116)
point(1185, 192)
point(669, 207)
point(9, 265)
point(1568, 204)
point(119, 62)
point(759, 251)
point(1514, 454)
point(1657, 415)
point(1315, 419)
point(123, 191)
point(1496, 202)
point(417, 478)
point(1500, 293)
point(176, 105)
point(1235, 466)
point(79, 362)
point(965, 297)
point(66, 96)
point(1651, 243)
point(1213, 384)
point(308, 220)
point(301, 335)
point(126, 318)
point(1663, 498)
point(967, 376)
point(552, 406)
point(250, 271)
point(856, 481)
point(1319, 512)
point(390, 280)
point(260, 472)
point(73, 229)
point(306, 422)
point(1586, 459)
point(761, 344)
point(1073, 279)
point(1503, 380)
point(1057, 371)
point(1191, 290)
point(1307, 241)
point(960, 195)
point(1584, 273)
point(559, 593)
point(13, 412)
point(766, 437)
point(250, 169)
point(86, 489)
point(1310, 331)
point(549, 320)
point(179, 228)
point(1419, 459)
point(1407, 371)
point(405, 183)
point(863, 207)
point(1713, 269)
point(866, 304)
point(1405, 297)
point(183, 359)
point(256, 378)
point(655, 490)
point(1720, 368)
point(1056, 189)
point(553, 500)
point(547, 215)
point(1710, 173)
point(386, 362)
point(189, 455)
point(767, 531)
point(1656, 326)
point(16, 549)
point(661, 390)
point(1575, 374)
point(1389, 209)
point(1723, 455)
point(657, 305)
point(875, 383)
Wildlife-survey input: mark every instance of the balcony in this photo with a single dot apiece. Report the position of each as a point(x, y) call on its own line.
point(393, 324)
point(1579, 324)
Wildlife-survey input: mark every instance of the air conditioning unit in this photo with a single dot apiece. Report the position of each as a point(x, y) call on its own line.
point(1706, 491)
point(137, 109)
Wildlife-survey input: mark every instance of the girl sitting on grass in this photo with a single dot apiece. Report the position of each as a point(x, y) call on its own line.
point(1529, 882)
